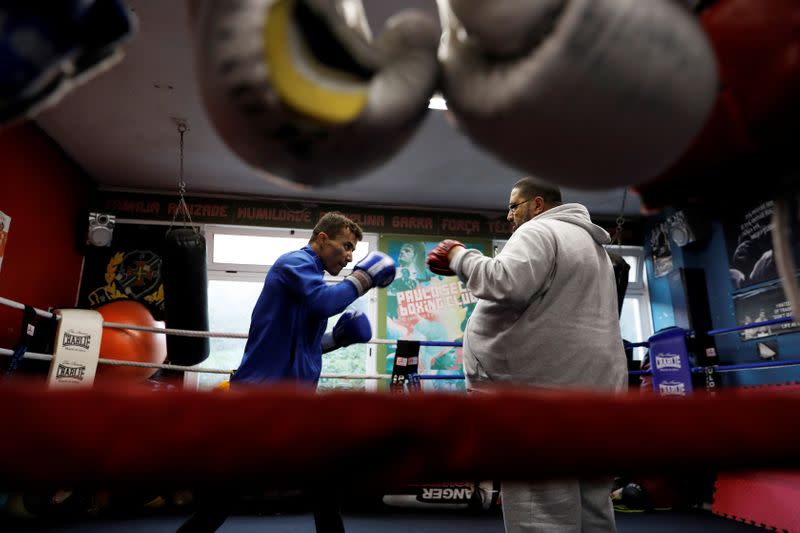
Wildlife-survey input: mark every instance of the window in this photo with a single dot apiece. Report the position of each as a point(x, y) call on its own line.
point(354, 359)
point(635, 322)
point(238, 260)
point(235, 249)
point(230, 302)
point(258, 250)
point(498, 245)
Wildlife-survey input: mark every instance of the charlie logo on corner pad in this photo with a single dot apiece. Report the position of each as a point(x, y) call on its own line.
point(76, 339)
point(68, 371)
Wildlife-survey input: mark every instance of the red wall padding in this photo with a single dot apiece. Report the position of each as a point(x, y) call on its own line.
point(46, 195)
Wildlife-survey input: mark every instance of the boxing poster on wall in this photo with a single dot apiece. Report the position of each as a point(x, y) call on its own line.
point(760, 305)
point(661, 250)
point(424, 306)
point(5, 223)
point(748, 236)
point(130, 268)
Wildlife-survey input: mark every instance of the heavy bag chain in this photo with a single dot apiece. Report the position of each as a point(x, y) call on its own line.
point(617, 237)
point(182, 208)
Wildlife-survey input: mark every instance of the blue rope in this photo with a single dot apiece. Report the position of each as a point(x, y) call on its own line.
point(441, 376)
point(440, 343)
point(696, 369)
point(752, 325)
point(748, 366)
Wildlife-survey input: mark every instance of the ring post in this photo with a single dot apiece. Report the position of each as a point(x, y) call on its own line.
point(669, 363)
point(77, 348)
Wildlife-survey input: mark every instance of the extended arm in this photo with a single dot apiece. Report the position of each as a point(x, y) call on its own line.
point(521, 270)
point(324, 299)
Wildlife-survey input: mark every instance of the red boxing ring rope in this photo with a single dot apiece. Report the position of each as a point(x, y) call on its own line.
point(288, 437)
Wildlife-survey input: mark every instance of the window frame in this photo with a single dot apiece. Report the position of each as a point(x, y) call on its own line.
point(244, 268)
point(639, 282)
point(638, 289)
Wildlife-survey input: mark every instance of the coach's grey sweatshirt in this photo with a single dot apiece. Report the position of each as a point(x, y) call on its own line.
point(547, 314)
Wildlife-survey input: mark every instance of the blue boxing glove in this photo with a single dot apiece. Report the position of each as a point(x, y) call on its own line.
point(351, 328)
point(48, 48)
point(375, 270)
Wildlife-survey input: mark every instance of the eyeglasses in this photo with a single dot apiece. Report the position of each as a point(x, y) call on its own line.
point(513, 207)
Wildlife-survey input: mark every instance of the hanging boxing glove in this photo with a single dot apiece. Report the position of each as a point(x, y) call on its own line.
point(752, 129)
point(298, 89)
point(582, 93)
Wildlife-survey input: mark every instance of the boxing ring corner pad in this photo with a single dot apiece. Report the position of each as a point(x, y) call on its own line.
point(77, 348)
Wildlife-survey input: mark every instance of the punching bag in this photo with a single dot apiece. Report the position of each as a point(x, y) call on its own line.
point(183, 271)
point(621, 270)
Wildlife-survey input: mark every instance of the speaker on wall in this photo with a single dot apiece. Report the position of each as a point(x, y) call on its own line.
point(101, 229)
point(688, 227)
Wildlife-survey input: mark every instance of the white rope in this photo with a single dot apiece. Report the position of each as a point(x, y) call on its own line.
point(217, 334)
point(116, 362)
point(167, 331)
point(21, 307)
point(29, 355)
point(200, 370)
point(172, 331)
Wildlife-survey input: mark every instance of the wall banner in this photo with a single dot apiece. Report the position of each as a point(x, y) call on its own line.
point(301, 215)
point(128, 269)
point(304, 215)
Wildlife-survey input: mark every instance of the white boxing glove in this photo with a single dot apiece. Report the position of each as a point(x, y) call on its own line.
point(298, 88)
point(581, 93)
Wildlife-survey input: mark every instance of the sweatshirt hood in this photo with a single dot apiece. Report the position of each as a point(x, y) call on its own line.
point(576, 214)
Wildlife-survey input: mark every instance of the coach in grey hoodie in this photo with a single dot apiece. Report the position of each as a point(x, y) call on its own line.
point(547, 316)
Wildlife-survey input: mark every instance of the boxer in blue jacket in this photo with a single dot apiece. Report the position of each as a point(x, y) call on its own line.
point(287, 335)
point(287, 329)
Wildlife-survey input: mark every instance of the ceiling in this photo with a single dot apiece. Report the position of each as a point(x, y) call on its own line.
point(121, 128)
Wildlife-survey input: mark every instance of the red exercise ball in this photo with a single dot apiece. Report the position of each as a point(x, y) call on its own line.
point(129, 344)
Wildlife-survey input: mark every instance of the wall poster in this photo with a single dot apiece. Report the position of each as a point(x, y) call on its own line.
point(661, 250)
point(760, 305)
point(5, 223)
point(748, 237)
point(425, 306)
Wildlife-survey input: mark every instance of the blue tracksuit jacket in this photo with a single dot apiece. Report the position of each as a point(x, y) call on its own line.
point(289, 319)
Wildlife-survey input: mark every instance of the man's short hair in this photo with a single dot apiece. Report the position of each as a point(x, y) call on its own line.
point(530, 187)
point(333, 224)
